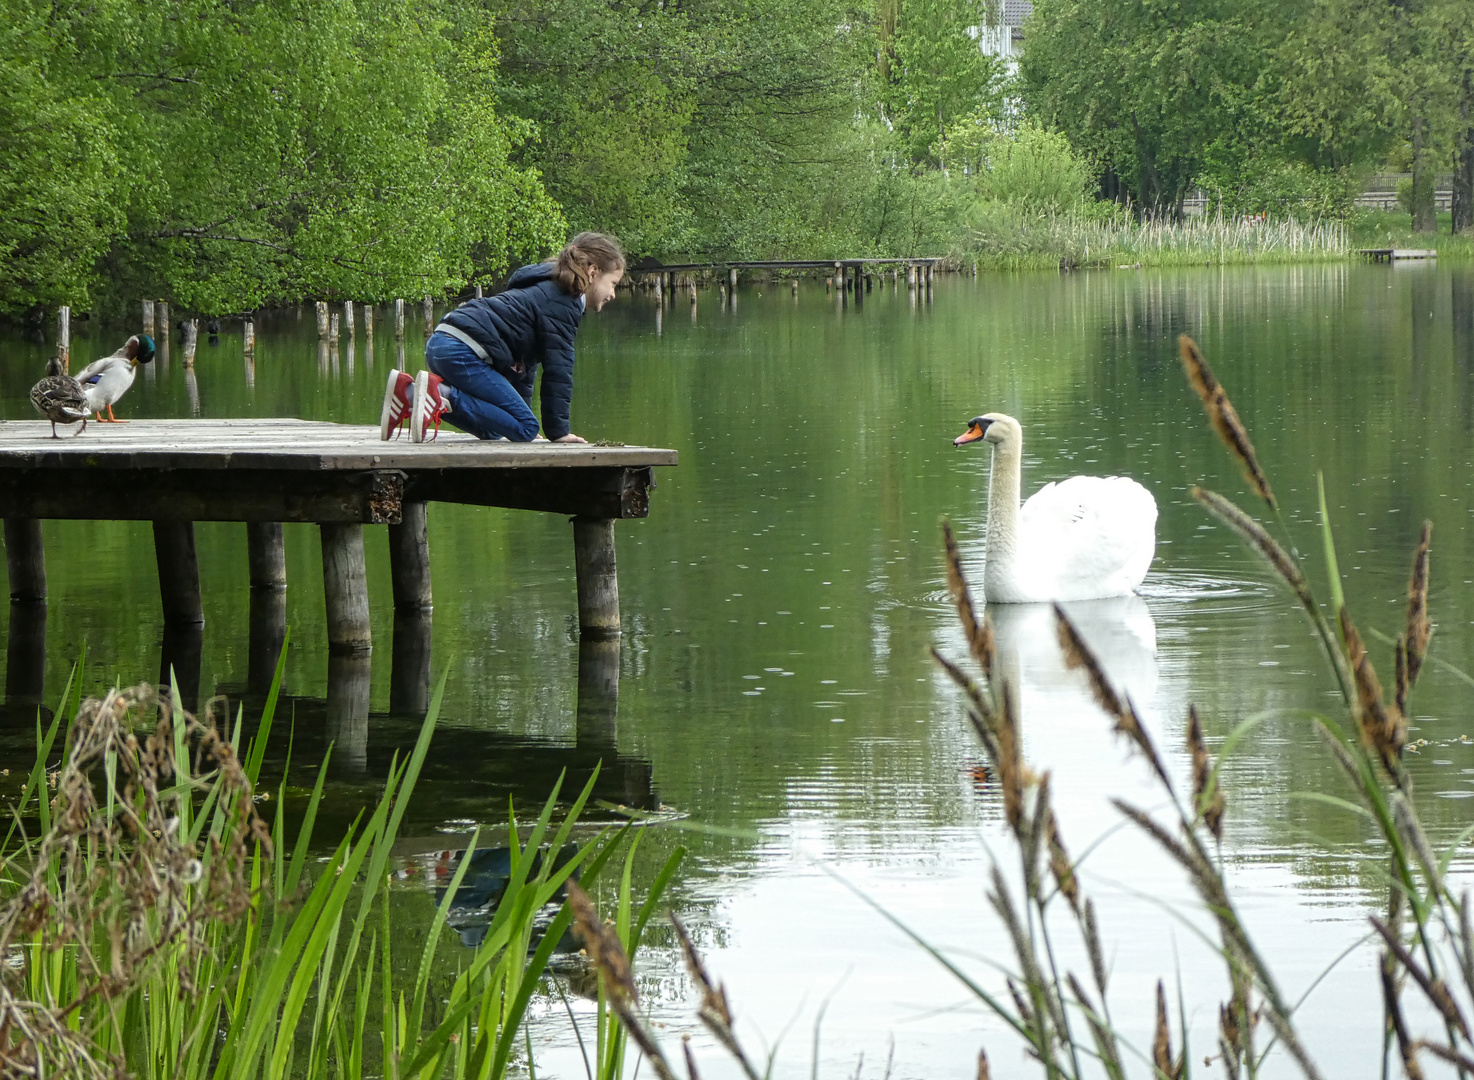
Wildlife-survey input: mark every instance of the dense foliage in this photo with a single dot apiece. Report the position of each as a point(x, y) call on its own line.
point(231, 154)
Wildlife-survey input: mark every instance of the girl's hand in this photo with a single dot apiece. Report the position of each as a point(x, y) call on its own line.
point(570, 438)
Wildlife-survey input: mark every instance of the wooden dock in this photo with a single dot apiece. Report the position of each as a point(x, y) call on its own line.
point(340, 477)
point(851, 276)
point(1397, 254)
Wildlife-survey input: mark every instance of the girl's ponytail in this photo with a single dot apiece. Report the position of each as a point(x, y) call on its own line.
point(582, 257)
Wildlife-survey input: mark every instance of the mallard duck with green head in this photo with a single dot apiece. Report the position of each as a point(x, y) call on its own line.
point(108, 379)
point(59, 397)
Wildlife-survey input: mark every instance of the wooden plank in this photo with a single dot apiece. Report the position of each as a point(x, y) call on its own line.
point(303, 445)
point(589, 492)
point(202, 495)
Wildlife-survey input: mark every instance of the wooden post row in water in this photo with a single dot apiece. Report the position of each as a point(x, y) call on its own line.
point(249, 336)
point(429, 316)
point(368, 322)
point(333, 328)
point(148, 317)
point(161, 319)
point(399, 319)
point(348, 316)
point(322, 319)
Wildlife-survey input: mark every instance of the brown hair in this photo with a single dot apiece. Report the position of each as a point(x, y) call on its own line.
point(584, 256)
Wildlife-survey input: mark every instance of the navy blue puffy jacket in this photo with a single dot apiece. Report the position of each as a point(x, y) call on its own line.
point(533, 322)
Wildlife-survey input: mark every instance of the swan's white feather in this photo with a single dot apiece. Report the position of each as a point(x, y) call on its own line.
point(1087, 537)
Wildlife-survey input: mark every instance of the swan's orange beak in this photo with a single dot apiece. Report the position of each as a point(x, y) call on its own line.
point(973, 433)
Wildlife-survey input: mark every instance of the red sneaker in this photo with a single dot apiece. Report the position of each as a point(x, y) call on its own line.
point(398, 397)
point(429, 406)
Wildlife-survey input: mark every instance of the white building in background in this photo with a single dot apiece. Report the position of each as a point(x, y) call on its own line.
point(1005, 40)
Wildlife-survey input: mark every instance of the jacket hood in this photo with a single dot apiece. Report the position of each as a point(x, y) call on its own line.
point(530, 275)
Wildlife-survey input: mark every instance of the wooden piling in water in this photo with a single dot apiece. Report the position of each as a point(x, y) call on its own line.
point(348, 316)
point(660, 288)
point(25, 560)
point(368, 323)
point(598, 581)
point(409, 559)
point(64, 337)
point(191, 339)
point(179, 573)
point(429, 316)
point(161, 320)
point(322, 319)
point(479, 294)
point(248, 336)
point(859, 287)
point(148, 317)
point(266, 556)
point(399, 319)
point(333, 328)
point(345, 588)
point(732, 279)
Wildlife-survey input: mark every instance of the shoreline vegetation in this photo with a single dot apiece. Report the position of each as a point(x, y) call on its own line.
point(223, 160)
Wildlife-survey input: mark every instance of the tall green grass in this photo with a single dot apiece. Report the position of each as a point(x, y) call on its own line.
point(1003, 238)
point(162, 923)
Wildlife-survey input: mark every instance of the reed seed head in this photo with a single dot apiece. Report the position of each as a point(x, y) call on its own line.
point(1419, 629)
point(1162, 1040)
point(1059, 863)
point(603, 946)
point(979, 633)
point(1207, 795)
point(983, 1073)
point(1010, 761)
point(1222, 416)
point(1383, 730)
point(1260, 540)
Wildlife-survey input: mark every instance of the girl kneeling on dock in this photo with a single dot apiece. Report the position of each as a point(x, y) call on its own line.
point(483, 356)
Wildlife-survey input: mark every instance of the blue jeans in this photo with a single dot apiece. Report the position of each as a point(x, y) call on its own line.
point(481, 401)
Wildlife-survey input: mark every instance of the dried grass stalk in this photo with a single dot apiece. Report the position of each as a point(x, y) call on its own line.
point(1059, 863)
point(1079, 657)
point(1383, 730)
point(1209, 803)
point(1010, 760)
point(1406, 1048)
point(1435, 989)
point(609, 959)
point(1105, 1038)
point(715, 1013)
point(1224, 419)
point(1447, 1053)
point(1162, 1039)
point(1413, 645)
point(1092, 946)
point(983, 1073)
point(979, 632)
point(981, 710)
point(1255, 535)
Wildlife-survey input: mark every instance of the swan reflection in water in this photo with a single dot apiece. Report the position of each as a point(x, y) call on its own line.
point(1119, 630)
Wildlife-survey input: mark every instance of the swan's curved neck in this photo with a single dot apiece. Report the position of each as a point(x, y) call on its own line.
point(1003, 512)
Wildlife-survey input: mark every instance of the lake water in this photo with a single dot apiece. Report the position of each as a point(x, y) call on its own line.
point(774, 679)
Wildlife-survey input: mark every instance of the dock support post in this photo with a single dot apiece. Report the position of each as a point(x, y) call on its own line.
point(267, 558)
point(25, 559)
point(345, 588)
point(859, 286)
point(732, 279)
point(409, 666)
point(348, 711)
point(409, 558)
point(399, 319)
point(598, 583)
point(596, 719)
point(333, 328)
point(64, 337)
point(660, 288)
point(348, 316)
point(266, 555)
point(429, 316)
point(191, 340)
point(148, 317)
point(179, 573)
point(25, 653)
point(161, 319)
point(368, 323)
point(322, 319)
point(249, 337)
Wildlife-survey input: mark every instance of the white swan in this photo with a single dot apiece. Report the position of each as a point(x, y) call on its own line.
point(1079, 539)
